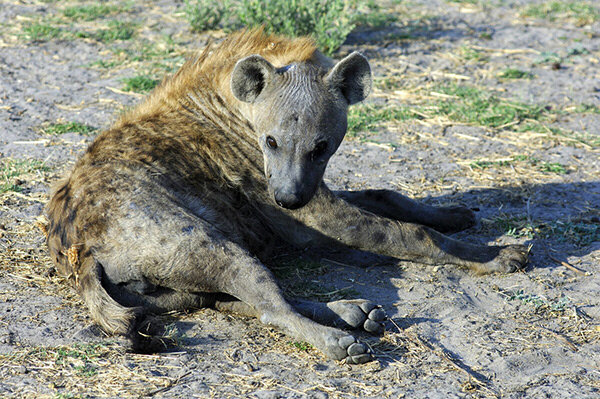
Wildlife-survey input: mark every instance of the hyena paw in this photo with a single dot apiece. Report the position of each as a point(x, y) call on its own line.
point(359, 314)
point(509, 259)
point(344, 347)
point(455, 218)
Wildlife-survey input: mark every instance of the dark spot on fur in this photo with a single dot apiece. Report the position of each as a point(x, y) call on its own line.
point(420, 234)
point(187, 229)
point(379, 236)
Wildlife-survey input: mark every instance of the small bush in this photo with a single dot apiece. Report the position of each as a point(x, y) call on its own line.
point(204, 14)
point(329, 22)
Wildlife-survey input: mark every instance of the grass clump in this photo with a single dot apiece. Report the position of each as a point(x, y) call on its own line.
point(471, 105)
point(580, 233)
point(328, 22)
point(363, 118)
point(581, 12)
point(559, 305)
point(550, 167)
point(517, 226)
point(69, 127)
point(301, 345)
point(512, 73)
point(10, 170)
point(117, 30)
point(470, 54)
point(41, 32)
point(371, 15)
point(139, 84)
point(204, 14)
point(90, 12)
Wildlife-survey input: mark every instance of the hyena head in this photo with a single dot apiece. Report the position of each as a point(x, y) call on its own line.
point(300, 114)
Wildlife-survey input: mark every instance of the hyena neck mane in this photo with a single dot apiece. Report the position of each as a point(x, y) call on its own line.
point(202, 85)
point(196, 106)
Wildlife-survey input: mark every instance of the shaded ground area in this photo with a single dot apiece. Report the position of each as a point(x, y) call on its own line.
point(496, 107)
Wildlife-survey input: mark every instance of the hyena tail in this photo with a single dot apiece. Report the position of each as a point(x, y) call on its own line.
point(108, 313)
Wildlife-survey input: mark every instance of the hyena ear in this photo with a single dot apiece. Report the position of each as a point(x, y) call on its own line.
point(250, 76)
point(352, 76)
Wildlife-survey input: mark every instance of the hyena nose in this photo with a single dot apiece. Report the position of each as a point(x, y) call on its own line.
point(288, 200)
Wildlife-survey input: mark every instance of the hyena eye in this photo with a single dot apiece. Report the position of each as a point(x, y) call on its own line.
point(271, 142)
point(319, 150)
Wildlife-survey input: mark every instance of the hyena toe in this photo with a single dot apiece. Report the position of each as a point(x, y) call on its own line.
point(359, 314)
point(455, 218)
point(151, 336)
point(344, 347)
point(510, 258)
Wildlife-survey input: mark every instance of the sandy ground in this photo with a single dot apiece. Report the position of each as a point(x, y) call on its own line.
point(452, 333)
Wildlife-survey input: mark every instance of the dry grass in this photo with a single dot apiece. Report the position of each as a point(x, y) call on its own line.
point(415, 95)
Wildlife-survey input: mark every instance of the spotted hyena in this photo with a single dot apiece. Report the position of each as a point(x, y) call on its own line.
point(171, 207)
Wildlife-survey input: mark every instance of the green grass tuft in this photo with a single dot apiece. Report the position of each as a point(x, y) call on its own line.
point(328, 22)
point(69, 127)
point(474, 106)
point(41, 32)
point(512, 73)
point(12, 169)
point(116, 30)
point(302, 346)
point(470, 54)
point(364, 118)
point(581, 12)
point(550, 167)
point(204, 14)
point(139, 84)
point(90, 12)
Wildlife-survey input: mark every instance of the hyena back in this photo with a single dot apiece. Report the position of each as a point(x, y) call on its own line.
point(169, 208)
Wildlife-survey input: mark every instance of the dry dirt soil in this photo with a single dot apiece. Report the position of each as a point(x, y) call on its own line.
point(492, 105)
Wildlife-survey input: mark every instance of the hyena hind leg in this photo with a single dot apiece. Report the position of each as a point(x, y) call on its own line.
point(393, 205)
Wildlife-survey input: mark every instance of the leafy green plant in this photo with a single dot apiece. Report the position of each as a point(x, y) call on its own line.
point(301, 345)
point(329, 22)
point(204, 14)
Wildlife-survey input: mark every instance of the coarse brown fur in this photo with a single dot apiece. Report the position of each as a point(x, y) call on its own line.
point(169, 208)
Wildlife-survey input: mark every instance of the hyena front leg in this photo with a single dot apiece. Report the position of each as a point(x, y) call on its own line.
point(329, 217)
point(393, 205)
point(246, 279)
point(357, 314)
